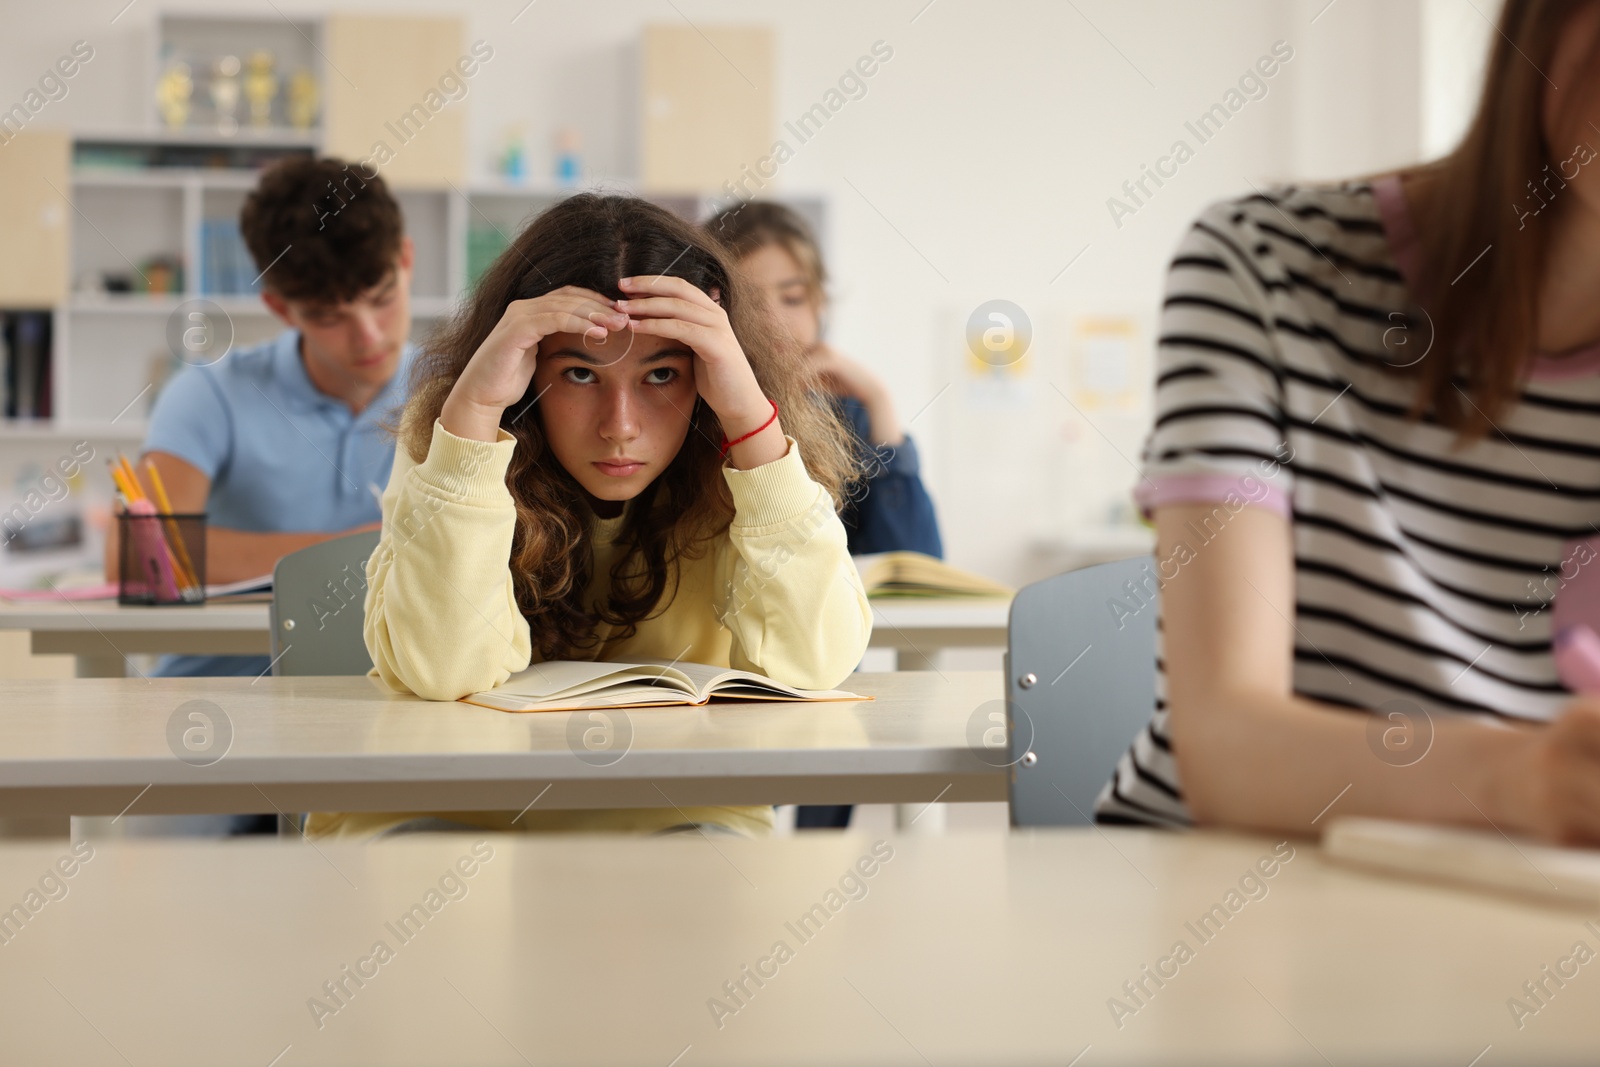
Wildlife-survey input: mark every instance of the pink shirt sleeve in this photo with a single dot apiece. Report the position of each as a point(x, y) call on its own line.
point(1216, 488)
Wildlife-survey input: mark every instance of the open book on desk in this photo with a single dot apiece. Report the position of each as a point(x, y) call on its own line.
point(249, 590)
point(576, 685)
point(248, 587)
point(915, 575)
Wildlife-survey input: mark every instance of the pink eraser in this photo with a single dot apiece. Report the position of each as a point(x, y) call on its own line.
point(1577, 655)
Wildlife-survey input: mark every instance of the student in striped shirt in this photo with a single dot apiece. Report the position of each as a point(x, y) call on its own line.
point(1375, 477)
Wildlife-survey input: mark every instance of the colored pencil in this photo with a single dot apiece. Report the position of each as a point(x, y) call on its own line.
point(173, 534)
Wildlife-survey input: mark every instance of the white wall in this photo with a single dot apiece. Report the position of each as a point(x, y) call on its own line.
point(977, 166)
point(1455, 48)
point(1357, 110)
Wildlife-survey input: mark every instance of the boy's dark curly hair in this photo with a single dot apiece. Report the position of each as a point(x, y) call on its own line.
point(323, 230)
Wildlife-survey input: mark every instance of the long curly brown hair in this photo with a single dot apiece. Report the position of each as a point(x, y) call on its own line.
point(593, 241)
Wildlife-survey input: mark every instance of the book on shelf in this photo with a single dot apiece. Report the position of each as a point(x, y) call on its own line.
point(913, 574)
point(225, 264)
point(484, 245)
point(25, 376)
point(579, 685)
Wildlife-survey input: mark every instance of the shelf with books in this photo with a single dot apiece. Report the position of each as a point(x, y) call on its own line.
point(110, 345)
point(27, 364)
point(124, 303)
point(88, 177)
point(93, 141)
point(141, 304)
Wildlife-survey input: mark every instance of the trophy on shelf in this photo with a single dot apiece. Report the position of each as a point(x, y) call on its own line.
point(225, 93)
point(174, 91)
point(260, 86)
point(304, 97)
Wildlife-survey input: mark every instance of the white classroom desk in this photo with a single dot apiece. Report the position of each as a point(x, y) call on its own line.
point(101, 747)
point(1000, 950)
point(102, 633)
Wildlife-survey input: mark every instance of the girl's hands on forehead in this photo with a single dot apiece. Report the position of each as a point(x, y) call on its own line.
point(665, 306)
point(501, 369)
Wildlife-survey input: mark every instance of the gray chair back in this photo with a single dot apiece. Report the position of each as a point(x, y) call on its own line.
point(1080, 684)
point(318, 604)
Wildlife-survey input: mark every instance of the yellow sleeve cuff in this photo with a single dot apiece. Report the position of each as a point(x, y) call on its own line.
point(465, 470)
point(774, 492)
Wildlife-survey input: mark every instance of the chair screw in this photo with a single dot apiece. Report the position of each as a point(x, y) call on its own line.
point(1029, 759)
point(288, 624)
point(1029, 680)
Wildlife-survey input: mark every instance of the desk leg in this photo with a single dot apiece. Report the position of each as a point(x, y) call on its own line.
point(920, 820)
point(929, 659)
point(108, 665)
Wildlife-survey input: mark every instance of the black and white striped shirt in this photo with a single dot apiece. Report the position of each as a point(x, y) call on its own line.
point(1427, 575)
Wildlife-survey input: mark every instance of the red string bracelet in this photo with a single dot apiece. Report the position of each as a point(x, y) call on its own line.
point(727, 444)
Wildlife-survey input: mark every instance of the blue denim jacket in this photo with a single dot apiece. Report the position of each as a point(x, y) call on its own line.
point(891, 511)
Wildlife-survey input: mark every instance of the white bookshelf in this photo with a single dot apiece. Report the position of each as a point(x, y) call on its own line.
point(108, 345)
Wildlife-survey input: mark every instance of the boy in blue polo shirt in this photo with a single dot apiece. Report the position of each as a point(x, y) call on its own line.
point(282, 444)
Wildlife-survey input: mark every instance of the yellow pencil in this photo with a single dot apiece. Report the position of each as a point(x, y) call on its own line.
point(120, 478)
point(173, 533)
point(130, 490)
point(133, 479)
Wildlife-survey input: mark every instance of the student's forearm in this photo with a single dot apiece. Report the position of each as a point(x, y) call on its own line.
point(883, 419)
point(1290, 764)
point(442, 618)
point(1252, 753)
point(790, 596)
point(234, 555)
point(806, 625)
point(470, 421)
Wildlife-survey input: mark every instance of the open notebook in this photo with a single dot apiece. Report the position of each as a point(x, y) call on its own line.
point(250, 589)
point(913, 574)
point(571, 685)
point(1482, 859)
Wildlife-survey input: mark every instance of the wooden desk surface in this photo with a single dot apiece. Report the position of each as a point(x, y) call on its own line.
point(994, 950)
point(101, 633)
point(92, 746)
point(223, 615)
point(92, 615)
point(104, 631)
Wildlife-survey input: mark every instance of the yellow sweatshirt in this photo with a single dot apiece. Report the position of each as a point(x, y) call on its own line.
point(777, 594)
